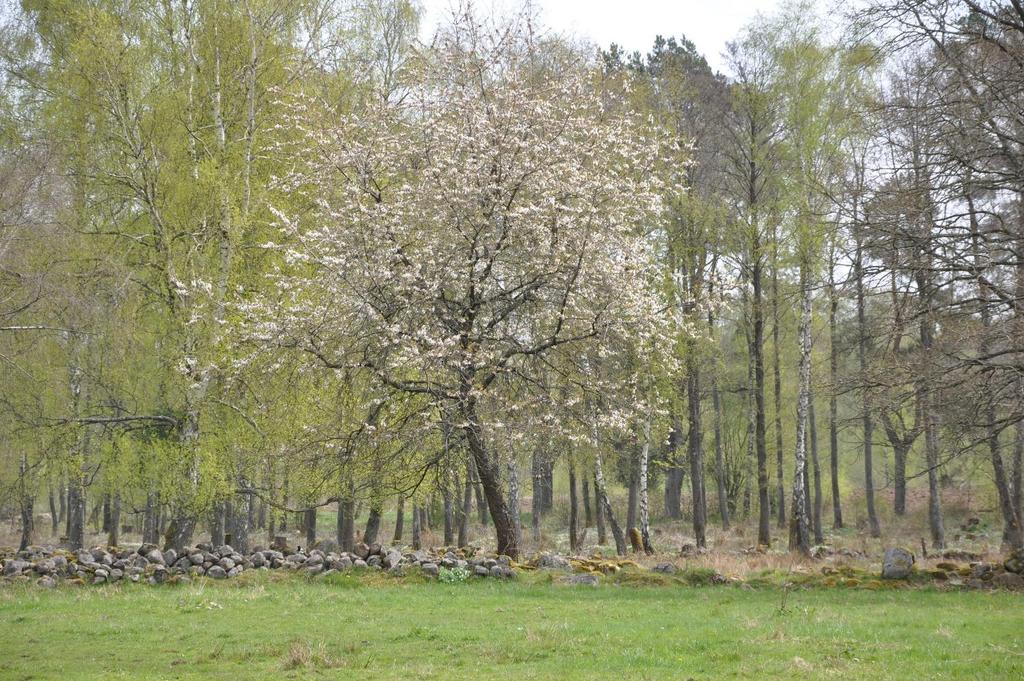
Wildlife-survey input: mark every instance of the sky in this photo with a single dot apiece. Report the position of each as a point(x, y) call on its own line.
point(633, 24)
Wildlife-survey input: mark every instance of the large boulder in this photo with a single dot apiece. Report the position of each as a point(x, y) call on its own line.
point(897, 563)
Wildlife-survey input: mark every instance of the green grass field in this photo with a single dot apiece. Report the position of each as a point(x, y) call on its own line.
point(295, 629)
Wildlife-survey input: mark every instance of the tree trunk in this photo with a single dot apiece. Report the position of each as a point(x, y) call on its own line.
point(340, 525)
point(723, 497)
point(76, 512)
point(310, 524)
point(537, 500)
point(866, 419)
point(819, 536)
point(760, 444)
point(150, 531)
point(54, 517)
point(1011, 520)
point(602, 536)
point(780, 486)
point(645, 514)
point(588, 518)
point(467, 506)
point(487, 469)
point(1018, 471)
point(26, 505)
point(606, 505)
point(674, 474)
point(114, 533)
point(513, 500)
point(833, 397)
point(799, 530)
point(931, 447)
point(449, 518)
point(574, 514)
point(373, 524)
point(417, 539)
point(62, 501)
point(106, 513)
point(695, 439)
point(399, 520)
point(217, 524)
point(900, 479)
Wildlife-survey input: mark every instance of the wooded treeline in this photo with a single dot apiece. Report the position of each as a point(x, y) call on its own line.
point(261, 257)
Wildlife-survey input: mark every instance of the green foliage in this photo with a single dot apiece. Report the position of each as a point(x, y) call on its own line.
point(455, 575)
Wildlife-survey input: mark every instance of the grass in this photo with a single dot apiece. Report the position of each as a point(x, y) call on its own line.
point(285, 627)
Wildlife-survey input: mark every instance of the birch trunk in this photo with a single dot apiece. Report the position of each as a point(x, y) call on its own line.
point(799, 534)
point(645, 515)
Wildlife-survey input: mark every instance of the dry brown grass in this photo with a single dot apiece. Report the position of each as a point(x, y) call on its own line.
point(305, 655)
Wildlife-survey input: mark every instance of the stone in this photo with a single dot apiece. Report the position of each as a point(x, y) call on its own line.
point(159, 575)
point(375, 549)
point(235, 571)
point(983, 571)
point(665, 568)
point(430, 569)
point(362, 550)
point(553, 561)
point(897, 563)
point(145, 549)
point(392, 558)
point(102, 557)
point(1010, 581)
point(481, 571)
point(15, 567)
point(170, 557)
point(224, 551)
point(47, 582)
point(216, 572)
point(196, 558)
point(226, 563)
point(585, 579)
point(155, 556)
point(1015, 562)
point(502, 572)
point(343, 563)
point(183, 563)
point(374, 561)
point(359, 563)
point(257, 560)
